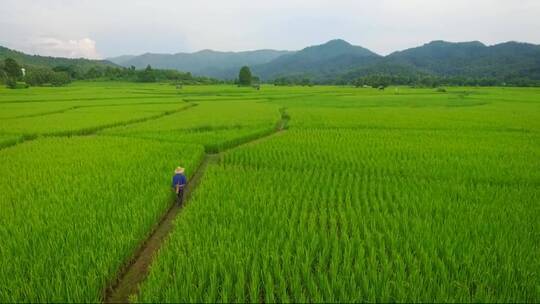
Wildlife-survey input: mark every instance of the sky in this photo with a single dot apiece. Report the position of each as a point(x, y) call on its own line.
point(100, 29)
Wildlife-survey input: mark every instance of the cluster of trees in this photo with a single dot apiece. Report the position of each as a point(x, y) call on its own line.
point(10, 71)
point(147, 74)
point(11, 74)
point(44, 76)
point(157, 75)
point(378, 80)
point(423, 80)
point(417, 79)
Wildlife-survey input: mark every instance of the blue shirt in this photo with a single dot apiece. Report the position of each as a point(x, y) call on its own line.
point(179, 179)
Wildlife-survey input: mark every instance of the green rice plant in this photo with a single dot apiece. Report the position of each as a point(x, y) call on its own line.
point(401, 213)
point(9, 140)
point(368, 196)
point(75, 209)
point(215, 125)
point(85, 120)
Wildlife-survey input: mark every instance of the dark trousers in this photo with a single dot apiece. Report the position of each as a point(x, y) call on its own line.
point(180, 196)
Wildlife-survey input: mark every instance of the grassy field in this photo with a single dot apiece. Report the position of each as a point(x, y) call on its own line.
point(397, 195)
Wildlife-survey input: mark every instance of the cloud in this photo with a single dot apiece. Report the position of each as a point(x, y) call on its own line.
point(139, 26)
point(74, 48)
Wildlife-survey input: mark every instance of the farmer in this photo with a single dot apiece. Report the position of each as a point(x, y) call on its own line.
point(178, 183)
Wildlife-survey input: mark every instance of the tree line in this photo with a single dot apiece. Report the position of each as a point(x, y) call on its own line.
point(14, 75)
point(419, 80)
point(422, 80)
point(11, 74)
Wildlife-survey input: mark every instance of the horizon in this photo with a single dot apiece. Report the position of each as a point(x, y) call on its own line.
point(318, 44)
point(64, 29)
point(274, 49)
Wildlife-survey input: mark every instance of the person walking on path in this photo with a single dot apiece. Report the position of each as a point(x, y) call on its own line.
point(178, 183)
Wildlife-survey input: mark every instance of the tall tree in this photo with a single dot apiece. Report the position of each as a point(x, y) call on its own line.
point(244, 77)
point(12, 68)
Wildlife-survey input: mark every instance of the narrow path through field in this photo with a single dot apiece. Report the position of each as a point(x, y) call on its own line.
point(136, 270)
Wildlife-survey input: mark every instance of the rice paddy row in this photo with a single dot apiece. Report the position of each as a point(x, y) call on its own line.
point(401, 195)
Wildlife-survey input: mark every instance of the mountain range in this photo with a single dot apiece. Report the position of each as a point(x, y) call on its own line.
point(335, 61)
point(338, 59)
point(215, 64)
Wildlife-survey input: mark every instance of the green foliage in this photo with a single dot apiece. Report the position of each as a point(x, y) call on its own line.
point(11, 83)
point(502, 62)
point(44, 76)
point(430, 65)
point(60, 79)
point(81, 65)
point(146, 75)
point(71, 70)
point(323, 63)
point(84, 69)
point(335, 62)
point(431, 81)
point(93, 73)
point(12, 68)
point(441, 90)
point(244, 76)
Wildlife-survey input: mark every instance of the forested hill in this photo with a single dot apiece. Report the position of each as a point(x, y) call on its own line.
point(51, 62)
point(334, 62)
point(55, 71)
point(337, 61)
point(472, 59)
point(224, 65)
point(318, 62)
point(511, 62)
point(462, 63)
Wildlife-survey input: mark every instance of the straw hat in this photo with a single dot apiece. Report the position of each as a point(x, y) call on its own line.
point(179, 170)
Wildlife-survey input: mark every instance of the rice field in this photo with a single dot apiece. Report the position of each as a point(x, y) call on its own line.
point(74, 209)
point(402, 195)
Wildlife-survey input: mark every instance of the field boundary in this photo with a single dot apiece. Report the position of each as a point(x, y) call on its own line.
point(90, 98)
point(94, 130)
point(72, 108)
point(136, 269)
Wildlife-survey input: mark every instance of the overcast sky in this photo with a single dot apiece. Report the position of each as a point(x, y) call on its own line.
point(99, 29)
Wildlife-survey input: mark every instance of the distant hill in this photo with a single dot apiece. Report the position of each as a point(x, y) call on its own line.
point(339, 62)
point(335, 61)
point(472, 59)
point(51, 62)
point(121, 59)
point(223, 65)
point(320, 62)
